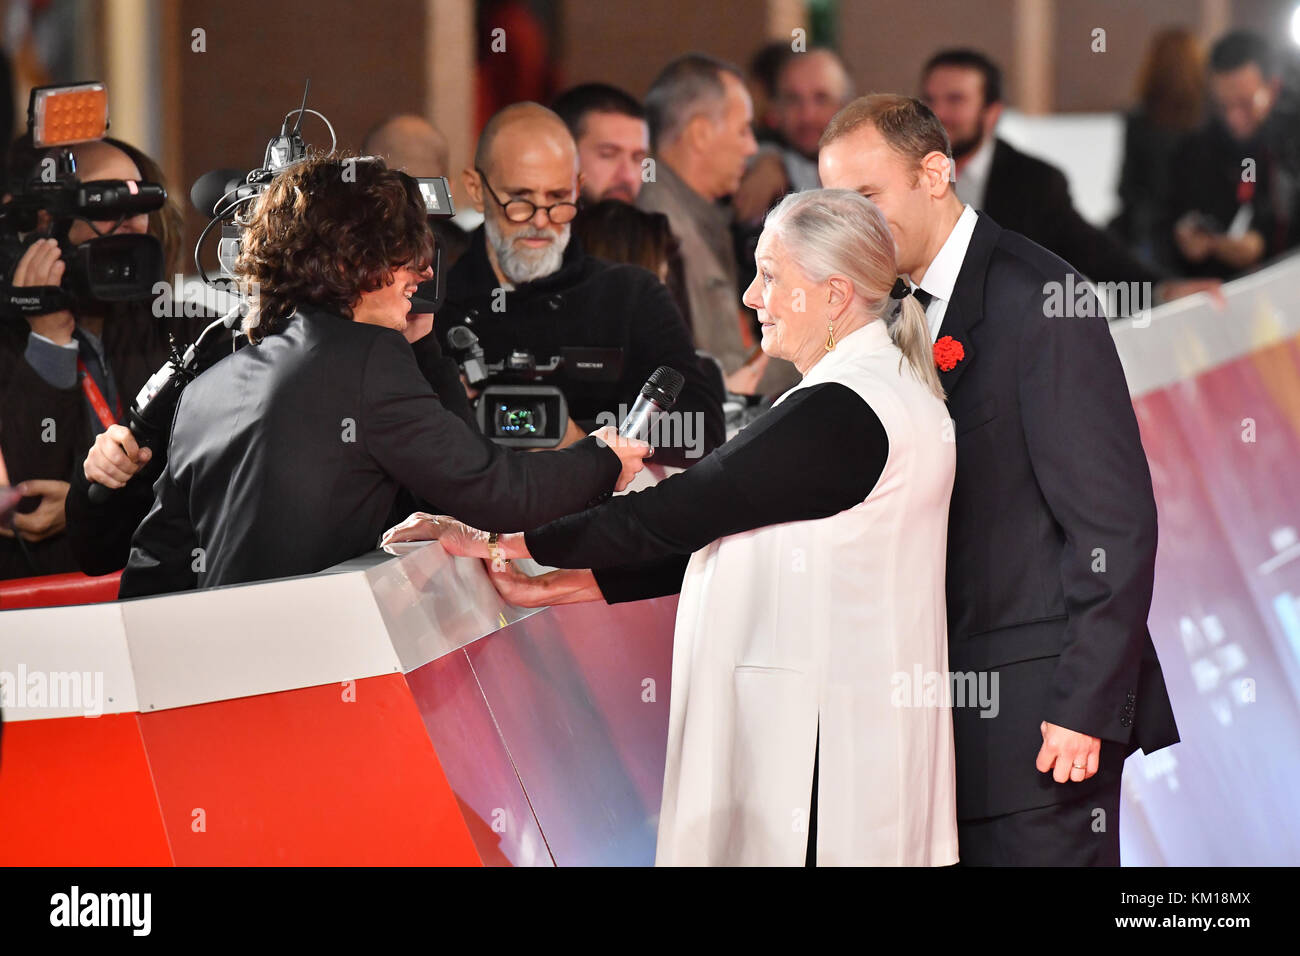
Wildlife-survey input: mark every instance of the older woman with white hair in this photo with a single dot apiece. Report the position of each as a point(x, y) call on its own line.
point(812, 612)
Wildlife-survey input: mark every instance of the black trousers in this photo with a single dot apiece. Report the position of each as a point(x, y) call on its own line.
point(810, 858)
point(1082, 832)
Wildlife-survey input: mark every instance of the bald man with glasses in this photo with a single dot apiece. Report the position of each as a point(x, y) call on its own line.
point(526, 285)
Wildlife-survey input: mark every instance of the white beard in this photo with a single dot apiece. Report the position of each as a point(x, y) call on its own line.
point(520, 265)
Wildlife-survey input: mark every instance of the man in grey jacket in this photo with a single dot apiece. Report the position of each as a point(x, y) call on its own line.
point(700, 129)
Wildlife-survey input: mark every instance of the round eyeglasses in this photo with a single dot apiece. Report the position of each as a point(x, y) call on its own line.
point(521, 210)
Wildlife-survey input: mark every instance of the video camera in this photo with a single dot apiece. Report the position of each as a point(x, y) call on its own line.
point(224, 194)
point(518, 406)
point(105, 268)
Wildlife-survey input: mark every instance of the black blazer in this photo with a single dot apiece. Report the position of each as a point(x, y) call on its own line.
point(1052, 533)
point(1032, 197)
point(286, 458)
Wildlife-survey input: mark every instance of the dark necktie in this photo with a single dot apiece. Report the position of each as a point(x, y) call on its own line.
point(923, 297)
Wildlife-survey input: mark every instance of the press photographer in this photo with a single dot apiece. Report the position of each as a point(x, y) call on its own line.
point(526, 289)
point(85, 231)
point(286, 458)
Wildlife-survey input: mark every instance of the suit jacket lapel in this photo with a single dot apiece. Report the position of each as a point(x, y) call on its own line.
point(966, 309)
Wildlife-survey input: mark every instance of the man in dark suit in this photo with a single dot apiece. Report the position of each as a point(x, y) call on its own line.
point(287, 457)
point(1052, 527)
point(1021, 192)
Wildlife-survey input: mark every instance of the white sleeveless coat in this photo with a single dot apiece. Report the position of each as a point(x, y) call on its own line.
point(832, 620)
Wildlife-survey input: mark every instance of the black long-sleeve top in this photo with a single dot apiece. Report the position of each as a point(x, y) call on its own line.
point(817, 453)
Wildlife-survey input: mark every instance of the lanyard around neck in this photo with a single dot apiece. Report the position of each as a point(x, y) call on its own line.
point(96, 397)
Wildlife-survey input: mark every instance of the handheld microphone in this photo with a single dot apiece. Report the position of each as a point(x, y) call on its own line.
point(150, 414)
point(659, 394)
point(147, 415)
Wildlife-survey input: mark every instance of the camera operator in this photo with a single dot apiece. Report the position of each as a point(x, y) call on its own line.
point(65, 376)
point(526, 285)
point(286, 457)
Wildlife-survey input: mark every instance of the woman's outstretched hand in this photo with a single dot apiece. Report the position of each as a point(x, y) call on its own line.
point(515, 587)
point(465, 542)
point(456, 537)
point(544, 590)
point(519, 589)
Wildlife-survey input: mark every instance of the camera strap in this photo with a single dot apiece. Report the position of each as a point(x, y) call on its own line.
point(96, 397)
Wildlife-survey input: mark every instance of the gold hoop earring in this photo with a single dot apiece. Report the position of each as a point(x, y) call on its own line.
point(830, 340)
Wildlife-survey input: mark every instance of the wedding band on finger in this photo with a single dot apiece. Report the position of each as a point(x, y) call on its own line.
point(1080, 766)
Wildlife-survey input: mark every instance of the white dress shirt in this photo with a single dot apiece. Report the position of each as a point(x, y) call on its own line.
point(941, 277)
point(973, 181)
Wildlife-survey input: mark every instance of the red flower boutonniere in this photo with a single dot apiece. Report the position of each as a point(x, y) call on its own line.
point(947, 353)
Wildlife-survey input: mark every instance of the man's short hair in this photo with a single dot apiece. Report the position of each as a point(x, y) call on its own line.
point(970, 60)
point(685, 88)
point(905, 123)
point(1239, 48)
point(574, 105)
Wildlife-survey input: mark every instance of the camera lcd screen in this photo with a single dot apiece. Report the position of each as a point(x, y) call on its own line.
point(437, 195)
